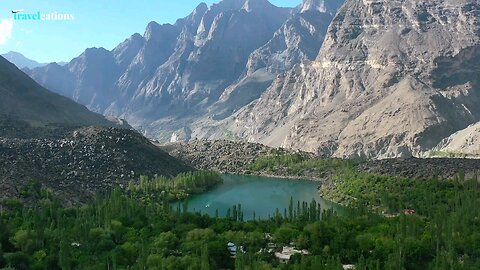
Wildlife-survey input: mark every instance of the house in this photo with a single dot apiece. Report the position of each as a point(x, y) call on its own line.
point(409, 211)
point(348, 267)
point(287, 252)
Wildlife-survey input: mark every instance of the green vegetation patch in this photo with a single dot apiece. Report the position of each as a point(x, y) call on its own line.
point(299, 164)
point(178, 188)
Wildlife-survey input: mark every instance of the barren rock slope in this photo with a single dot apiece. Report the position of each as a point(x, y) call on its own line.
point(392, 79)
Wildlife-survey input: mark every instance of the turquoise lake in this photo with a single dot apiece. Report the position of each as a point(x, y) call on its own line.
point(262, 195)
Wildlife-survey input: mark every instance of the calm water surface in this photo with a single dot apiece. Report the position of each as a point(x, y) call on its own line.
point(256, 193)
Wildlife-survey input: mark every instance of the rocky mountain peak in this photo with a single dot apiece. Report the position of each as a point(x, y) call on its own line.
point(127, 50)
point(228, 5)
point(153, 30)
point(92, 57)
point(93, 52)
point(198, 12)
point(376, 79)
point(24, 100)
point(256, 5)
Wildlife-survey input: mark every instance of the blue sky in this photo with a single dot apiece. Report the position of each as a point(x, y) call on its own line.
point(97, 23)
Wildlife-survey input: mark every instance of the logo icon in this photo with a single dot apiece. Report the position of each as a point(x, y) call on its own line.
point(15, 11)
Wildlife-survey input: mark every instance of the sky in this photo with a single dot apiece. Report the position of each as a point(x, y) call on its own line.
point(95, 23)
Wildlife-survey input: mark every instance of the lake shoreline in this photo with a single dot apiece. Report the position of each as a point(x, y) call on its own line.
point(287, 177)
point(261, 195)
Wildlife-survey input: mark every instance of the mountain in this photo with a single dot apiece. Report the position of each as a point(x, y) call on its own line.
point(392, 79)
point(205, 66)
point(298, 40)
point(21, 61)
point(369, 79)
point(72, 151)
point(23, 99)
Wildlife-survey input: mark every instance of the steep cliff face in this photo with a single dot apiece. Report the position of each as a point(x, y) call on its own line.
point(323, 6)
point(374, 79)
point(392, 79)
point(172, 72)
point(298, 40)
point(208, 61)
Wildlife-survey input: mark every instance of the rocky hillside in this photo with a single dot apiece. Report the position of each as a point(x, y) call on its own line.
point(392, 79)
point(83, 163)
point(424, 168)
point(204, 67)
point(238, 157)
point(222, 156)
point(40, 141)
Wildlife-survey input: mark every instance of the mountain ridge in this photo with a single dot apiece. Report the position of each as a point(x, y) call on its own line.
point(168, 72)
point(364, 96)
point(38, 105)
point(373, 79)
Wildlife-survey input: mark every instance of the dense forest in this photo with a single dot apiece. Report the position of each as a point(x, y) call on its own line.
point(137, 227)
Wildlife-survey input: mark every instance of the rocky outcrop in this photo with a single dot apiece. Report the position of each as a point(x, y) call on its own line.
point(298, 40)
point(323, 6)
point(415, 168)
point(392, 79)
point(222, 155)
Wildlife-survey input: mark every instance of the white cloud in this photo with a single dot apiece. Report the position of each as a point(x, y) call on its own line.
point(6, 26)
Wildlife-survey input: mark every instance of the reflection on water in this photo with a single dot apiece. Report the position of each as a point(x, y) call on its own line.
point(262, 195)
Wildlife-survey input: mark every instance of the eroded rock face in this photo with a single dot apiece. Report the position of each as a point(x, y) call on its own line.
point(392, 79)
point(297, 41)
point(206, 66)
point(162, 80)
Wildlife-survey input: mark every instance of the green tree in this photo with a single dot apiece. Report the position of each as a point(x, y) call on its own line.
point(18, 260)
point(285, 234)
point(166, 242)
